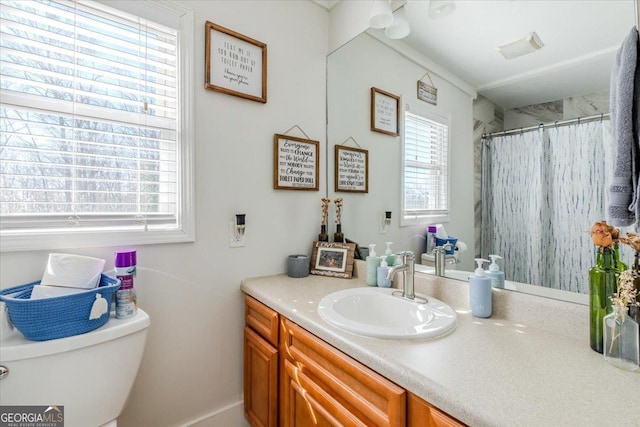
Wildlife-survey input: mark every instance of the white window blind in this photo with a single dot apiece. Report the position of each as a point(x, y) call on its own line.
point(425, 178)
point(89, 119)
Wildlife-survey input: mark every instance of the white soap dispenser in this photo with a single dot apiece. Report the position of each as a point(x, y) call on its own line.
point(480, 291)
point(372, 261)
point(389, 255)
point(494, 273)
point(383, 272)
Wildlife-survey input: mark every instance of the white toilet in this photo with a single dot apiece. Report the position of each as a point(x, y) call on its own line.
point(90, 374)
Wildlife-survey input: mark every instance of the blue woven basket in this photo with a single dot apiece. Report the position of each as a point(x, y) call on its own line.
point(57, 317)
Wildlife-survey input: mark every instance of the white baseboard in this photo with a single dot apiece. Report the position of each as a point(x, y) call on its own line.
point(229, 416)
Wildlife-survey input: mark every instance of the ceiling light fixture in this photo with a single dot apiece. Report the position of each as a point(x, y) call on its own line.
point(527, 44)
point(399, 28)
point(441, 8)
point(381, 15)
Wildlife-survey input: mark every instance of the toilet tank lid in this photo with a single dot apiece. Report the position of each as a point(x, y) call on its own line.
point(14, 346)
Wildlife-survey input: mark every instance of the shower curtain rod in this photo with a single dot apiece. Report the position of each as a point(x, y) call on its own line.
point(543, 125)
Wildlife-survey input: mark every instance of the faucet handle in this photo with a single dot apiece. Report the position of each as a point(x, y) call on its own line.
point(406, 256)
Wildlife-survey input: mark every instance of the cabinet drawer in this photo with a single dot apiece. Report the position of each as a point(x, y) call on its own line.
point(261, 319)
point(370, 397)
point(307, 404)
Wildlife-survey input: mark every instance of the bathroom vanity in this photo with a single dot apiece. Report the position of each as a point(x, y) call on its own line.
point(319, 385)
point(530, 364)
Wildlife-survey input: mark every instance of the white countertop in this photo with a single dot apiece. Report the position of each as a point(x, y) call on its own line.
point(508, 370)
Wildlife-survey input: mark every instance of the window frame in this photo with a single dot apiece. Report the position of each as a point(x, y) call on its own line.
point(409, 220)
point(39, 239)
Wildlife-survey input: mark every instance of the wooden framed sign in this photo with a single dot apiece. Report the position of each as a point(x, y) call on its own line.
point(427, 93)
point(332, 259)
point(351, 169)
point(385, 112)
point(235, 64)
point(296, 163)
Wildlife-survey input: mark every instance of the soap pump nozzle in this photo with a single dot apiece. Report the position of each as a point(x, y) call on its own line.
point(494, 266)
point(388, 251)
point(372, 250)
point(479, 270)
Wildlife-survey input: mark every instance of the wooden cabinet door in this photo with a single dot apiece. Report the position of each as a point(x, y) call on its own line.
point(260, 381)
point(333, 383)
point(423, 414)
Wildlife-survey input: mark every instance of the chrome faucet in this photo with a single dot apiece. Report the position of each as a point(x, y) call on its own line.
point(440, 258)
point(440, 254)
point(407, 268)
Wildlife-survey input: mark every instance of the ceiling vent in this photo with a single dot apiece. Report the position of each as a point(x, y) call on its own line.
point(527, 44)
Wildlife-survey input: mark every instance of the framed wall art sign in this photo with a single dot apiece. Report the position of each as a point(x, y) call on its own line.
point(351, 169)
point(385, 112)
point(235, 64)
point(296, 163)
point(332, 259)
point(427, 92)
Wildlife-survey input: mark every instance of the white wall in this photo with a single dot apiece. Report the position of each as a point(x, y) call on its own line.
point(192, 366)
point(353, 69)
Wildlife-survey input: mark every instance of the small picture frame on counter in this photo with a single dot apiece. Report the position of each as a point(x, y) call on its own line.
point(333, 259)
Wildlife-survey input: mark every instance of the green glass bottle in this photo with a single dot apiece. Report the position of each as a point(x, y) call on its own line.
point(603, 283)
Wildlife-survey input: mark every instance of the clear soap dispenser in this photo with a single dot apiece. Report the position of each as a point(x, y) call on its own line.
point(480, 291)
point(372, 262)
point(494, 273)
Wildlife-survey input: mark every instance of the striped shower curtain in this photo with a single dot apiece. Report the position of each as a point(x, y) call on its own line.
point(542, 191)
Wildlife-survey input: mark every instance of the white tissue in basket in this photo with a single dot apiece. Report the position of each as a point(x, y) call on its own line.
point(73, 271)
point(44, 291)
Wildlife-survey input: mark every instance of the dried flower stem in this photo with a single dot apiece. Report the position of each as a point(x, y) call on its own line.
point(325, 210)
point(338, 203)
point(625, 296)
point(631, 239)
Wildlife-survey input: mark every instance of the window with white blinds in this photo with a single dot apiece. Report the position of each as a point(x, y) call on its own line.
point(425, 158)
point(89, 119)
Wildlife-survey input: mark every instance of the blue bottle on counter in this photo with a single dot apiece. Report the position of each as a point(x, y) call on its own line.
point(494, 273)
point(383, 272)
point(480, 291)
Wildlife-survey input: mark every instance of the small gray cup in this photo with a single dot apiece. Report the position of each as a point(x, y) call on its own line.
point(297, 266)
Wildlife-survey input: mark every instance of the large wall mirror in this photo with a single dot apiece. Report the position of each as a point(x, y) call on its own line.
point(477, 94)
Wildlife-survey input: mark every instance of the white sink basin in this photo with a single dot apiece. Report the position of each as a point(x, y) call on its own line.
point(376, 312)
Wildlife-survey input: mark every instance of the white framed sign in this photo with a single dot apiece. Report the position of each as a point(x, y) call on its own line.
point(385, 112)
point(235, 64)
point(351, 169)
